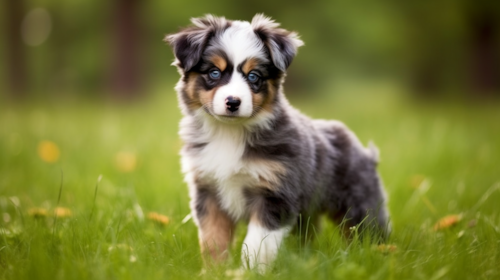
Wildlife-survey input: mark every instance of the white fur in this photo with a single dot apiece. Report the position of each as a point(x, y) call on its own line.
point(221, 160)
point(231, 196)
point(237, 87)
point(261, 246)
point(221, 157)
point(198, 38)
point(240, 42)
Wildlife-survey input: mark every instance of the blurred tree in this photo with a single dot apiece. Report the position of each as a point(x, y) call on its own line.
point(453, 45)
point(16, 58)
point(430, 46)
point(484, 52)
point(126, 65)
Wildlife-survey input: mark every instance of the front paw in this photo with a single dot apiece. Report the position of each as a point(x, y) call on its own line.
point(257, 261)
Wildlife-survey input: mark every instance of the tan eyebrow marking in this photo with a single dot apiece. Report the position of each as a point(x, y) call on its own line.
point(249, 65)
point(219, 62)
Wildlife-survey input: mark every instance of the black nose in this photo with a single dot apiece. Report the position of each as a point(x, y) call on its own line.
point(232, 103)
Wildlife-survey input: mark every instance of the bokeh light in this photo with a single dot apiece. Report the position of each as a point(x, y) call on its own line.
point(36, 27)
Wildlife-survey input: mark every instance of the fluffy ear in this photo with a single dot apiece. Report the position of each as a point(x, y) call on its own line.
point(189, 43)
point(282, 44)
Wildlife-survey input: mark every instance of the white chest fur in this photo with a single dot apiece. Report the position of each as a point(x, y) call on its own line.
point(221, 163)
point(222, 157)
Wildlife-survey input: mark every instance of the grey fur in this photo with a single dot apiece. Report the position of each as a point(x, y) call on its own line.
point(281, 43)
point(189, 43)
point(327, 170)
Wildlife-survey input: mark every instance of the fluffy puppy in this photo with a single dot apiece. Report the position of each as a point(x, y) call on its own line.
point(248, 155)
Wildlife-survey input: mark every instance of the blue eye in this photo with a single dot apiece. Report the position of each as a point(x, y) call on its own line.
point(215, 74)
point(252, 77)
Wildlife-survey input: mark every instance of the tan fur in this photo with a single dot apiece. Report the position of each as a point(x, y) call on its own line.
point(258, 100)
point(273, 169)
point(219, 62)
point(206, 96)
point(267, 105)
point(190, 87)
point(254, 217)
point(197, 98)
point(249, 65)
point(216, 232)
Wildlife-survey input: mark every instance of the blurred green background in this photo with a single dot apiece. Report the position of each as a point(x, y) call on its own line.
point(87, 93)
point(114, 48)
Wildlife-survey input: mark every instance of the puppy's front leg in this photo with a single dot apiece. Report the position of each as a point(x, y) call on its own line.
point(215, 229)
point(261, 245)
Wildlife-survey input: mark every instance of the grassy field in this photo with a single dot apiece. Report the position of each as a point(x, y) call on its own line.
point(79, 181)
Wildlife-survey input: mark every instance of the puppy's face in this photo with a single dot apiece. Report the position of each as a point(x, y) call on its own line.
point(232, 69)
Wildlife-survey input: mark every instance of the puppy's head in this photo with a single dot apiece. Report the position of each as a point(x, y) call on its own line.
point(232, 69)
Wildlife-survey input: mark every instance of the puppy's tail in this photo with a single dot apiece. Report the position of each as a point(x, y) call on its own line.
point(373, 152)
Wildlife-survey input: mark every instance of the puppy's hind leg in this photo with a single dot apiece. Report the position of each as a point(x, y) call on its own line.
point(361, 207)
point(362, 222)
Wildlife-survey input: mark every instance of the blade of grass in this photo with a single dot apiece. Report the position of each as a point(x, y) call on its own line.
point(95, 197)
point(57, 205)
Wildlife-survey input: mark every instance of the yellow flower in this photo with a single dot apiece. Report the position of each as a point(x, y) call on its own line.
point(447, 221)
point(416, 181)
point(37, 212)
point(386, 248)
point(158, 218)
point(48, 151)
point(126, 161)
point(62, 212)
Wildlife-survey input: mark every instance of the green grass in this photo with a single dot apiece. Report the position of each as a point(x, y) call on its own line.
point(436, 159)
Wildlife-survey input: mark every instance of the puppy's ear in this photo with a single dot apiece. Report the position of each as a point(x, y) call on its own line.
point(189, 43)
point(282, 44)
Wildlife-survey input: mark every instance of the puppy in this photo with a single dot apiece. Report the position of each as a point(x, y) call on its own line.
point(248, 155)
